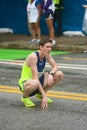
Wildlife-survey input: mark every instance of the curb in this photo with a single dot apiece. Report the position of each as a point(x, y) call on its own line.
point(57, 47)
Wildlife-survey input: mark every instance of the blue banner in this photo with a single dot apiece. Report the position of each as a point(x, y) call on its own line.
point(13, 15)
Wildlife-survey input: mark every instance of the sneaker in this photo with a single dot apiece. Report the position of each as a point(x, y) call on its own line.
point(32, 41)
point(37, 41)
point(39, 97)
point(27, 102)
point(53, 42)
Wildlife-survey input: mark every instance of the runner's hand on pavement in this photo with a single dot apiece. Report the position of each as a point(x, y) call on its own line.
point(44, 103)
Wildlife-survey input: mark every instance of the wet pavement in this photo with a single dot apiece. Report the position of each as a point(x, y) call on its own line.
point(67, 112)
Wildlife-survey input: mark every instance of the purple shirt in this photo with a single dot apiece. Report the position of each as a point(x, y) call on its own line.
point(46, 6)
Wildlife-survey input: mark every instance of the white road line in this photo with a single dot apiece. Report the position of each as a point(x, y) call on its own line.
point(61, 65)
point(76, 65)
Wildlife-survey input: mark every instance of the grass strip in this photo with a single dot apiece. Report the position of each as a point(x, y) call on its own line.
point(13, 54)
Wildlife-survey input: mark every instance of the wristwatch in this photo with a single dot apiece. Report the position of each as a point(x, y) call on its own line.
point(51, 73)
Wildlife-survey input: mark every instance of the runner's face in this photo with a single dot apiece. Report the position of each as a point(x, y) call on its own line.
point(46, 49)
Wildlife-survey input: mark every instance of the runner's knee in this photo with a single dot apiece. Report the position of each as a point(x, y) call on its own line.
point(33, 85)
point(59, 75)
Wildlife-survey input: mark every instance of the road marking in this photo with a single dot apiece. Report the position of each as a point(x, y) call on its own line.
point(70, 66)
point(55, 94)
point(69, 58)
point(60, 65)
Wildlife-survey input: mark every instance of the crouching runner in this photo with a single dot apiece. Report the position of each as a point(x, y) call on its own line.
point(34, 81)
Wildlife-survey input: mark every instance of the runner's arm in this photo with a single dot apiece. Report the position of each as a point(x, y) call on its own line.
point(53, 64)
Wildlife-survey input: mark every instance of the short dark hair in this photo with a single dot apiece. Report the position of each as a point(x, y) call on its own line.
point(44, 41)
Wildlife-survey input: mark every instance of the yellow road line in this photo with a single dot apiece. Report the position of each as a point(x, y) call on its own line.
point(69, 58)
point(10, 91)
point(67, 97)
point(67, 93)
point(49, 92)
point(7, 87)
point(55, 94)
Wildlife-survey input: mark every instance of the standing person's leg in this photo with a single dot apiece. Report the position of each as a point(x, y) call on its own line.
point(30, 29)
point(54, 21)
point(59, 21)
point(49, 21)
point(28, 22)
point(37, 27)
point(38, 30)
point(34, 32)
point(50, 27)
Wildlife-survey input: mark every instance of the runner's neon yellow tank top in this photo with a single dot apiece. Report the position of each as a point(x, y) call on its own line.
point(26, 70)
point(26, 73)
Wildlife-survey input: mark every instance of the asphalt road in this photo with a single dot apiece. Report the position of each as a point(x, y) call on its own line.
point(67, 112)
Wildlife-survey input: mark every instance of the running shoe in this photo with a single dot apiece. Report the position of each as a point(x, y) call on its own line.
point(32, 41)
point(27, 102)
point(53, 42)
point(37, 41)
point(39, 97)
